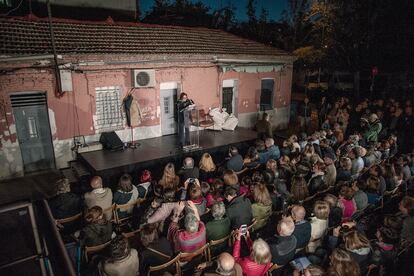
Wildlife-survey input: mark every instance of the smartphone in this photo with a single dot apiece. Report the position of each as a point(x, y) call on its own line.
point(243, 229)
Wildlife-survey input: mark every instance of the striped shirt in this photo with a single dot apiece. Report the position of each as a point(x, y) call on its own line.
point(185, 241)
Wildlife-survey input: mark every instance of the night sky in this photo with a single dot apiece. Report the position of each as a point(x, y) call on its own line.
point(273, 7)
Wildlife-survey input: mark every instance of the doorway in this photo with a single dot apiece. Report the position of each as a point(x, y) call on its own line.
point(33, 130)
point(168, 98)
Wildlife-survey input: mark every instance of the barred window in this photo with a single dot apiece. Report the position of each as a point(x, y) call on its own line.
point(108, 108)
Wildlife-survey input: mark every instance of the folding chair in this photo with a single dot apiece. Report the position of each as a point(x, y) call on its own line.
point(174, 261)
point(217, 243)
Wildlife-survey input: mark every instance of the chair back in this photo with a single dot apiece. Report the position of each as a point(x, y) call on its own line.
point(188, 256)
point(173, 261)
point(125, 207)
point(211, 244)
point(110, 209)
point(89, 250)
point(273, 268)
point(131, 234)
point(252, 224)
point(69, 219)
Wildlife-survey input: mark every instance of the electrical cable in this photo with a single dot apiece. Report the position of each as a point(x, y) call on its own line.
point(14, 9)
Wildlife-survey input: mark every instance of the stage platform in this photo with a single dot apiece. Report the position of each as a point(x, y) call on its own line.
point(154, 153)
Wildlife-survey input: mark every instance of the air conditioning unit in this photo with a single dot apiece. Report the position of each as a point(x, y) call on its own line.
point(143, 78)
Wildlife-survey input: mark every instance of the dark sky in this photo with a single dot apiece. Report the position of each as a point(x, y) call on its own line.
point(273, 7)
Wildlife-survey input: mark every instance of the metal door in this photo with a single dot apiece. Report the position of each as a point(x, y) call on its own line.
point(168, 98)
point(33, 130)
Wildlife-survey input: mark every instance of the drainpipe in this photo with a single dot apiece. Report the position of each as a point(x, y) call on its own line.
point(58, 92)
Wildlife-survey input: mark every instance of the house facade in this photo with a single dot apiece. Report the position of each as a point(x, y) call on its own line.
point(100, 62)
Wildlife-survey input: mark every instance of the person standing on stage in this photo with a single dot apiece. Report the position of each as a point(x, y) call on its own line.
point(184, 119)
point(264, 127)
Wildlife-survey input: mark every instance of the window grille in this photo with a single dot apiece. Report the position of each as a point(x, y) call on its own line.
point(108, 108)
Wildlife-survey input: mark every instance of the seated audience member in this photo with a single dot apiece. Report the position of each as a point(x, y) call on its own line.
point(259, 260)
point(167, 207)
point(155, 204)
point(235, 162)
point(335, 212)
point(407, 210)
point(357, 162)
point(272, 151)
point(319, 224)
point(330, 172)
point(99, 196)
point(385, 249)
point(393, 222)
point(230, 178)
point(169, 179)
point(193, 236)
point(122, 261)
point(207, 167)
point(302, 230)
point(145, 187)
point(188, 170)
point(219, 227)
point(216, 193)
point(126, 194)
point(239, 208)
point(360, 197)
point(225, 265)
point(343, 173)
point(372, 190)
point(299, 190)
point(155, 250)
point(347, 203)
point(357, 245)
point(317, 182)
point(342, 264)
point(251, 160)
point(195, 195)
point(283, 244)
point(271, 173)
point(65, 203)
point(97, 229)
point(262, 206)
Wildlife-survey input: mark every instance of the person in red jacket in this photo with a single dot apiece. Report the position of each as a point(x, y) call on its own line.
point(259, 261)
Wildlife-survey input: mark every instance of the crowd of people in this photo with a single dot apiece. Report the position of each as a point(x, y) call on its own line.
point(337, 201)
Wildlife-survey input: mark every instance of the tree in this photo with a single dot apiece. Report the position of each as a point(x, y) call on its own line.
point(251, 12)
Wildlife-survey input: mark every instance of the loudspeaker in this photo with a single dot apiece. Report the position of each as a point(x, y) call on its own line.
point(111, 141)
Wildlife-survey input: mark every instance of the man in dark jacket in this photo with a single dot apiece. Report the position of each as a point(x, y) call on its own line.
point(239, 208)
point(283, 244)
point(188, 170)
point(65, 204)
point(303, 229)
point(263, 127)
point(235, 162)
point(272, 151)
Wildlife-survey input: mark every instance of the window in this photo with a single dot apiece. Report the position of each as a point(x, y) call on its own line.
point(266, 94)
point(228, 99)
point(108, 108)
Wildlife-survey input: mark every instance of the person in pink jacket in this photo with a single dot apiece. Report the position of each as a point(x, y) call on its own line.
point(259, 261)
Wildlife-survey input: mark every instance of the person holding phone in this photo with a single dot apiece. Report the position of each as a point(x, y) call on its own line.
point(259, 260)
point(193, 236)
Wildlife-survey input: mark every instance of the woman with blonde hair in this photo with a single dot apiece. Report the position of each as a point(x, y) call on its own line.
point(207, 167)
point(358, 246)
point(271, 173)
point(259, 260)
point(342, 264)
point(262, 208)
point(319, 224)
point(169, 179)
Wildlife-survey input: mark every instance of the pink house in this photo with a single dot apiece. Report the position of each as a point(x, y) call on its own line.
point(100, 62)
